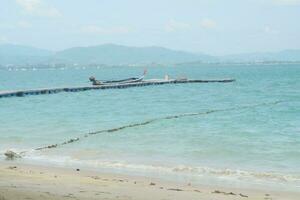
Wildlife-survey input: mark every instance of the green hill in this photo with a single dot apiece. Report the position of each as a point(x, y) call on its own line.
point(111, 54)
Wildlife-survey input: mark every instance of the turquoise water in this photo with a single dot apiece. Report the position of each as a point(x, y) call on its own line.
point(253, 137)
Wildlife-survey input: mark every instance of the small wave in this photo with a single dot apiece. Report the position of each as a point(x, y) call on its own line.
point(238, 173)
point(172, 170)
point(200, 171)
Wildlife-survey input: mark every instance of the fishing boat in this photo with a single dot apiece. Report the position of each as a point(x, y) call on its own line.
point(128, 80)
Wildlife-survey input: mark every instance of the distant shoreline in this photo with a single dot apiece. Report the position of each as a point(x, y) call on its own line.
point(91, 66)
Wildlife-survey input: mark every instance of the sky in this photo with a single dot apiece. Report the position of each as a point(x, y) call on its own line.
point(216, 27)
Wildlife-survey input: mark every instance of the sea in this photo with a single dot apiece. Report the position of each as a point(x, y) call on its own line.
point(243, 134)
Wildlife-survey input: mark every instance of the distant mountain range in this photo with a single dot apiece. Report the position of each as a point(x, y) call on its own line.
point(18, 54)
point(111, 54)
point(116, 54)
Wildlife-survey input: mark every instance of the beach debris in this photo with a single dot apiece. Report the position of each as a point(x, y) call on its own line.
point(12, 167)
point(11, 155)
point(221, 192)
point(268, 197)
point(101, 192)
point(120, 180)
point(152, 184)
point(77, 170)
point(242, 195)
point(95, 177)
point(70, 195)
point(176, 189)
point(217, 192)
point(197, 191)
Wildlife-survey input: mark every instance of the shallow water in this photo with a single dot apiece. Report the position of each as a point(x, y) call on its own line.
point(253, 137)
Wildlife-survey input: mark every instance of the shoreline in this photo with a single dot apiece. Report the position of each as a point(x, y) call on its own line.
point(24, 181)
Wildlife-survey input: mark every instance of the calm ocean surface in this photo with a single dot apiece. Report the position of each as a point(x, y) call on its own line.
point(252, 138)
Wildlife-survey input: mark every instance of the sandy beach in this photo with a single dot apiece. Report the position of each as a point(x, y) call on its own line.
point(20, 181)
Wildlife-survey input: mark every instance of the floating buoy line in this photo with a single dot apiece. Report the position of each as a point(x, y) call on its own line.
point(13, 155)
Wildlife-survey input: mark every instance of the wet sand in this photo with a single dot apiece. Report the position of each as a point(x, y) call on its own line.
point(28, 182)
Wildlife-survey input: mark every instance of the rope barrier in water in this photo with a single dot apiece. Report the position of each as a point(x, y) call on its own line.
point(11, 154)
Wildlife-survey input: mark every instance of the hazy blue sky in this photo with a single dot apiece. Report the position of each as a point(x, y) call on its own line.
point(210, 26)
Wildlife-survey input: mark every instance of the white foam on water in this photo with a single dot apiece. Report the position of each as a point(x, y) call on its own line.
point(179, 170)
